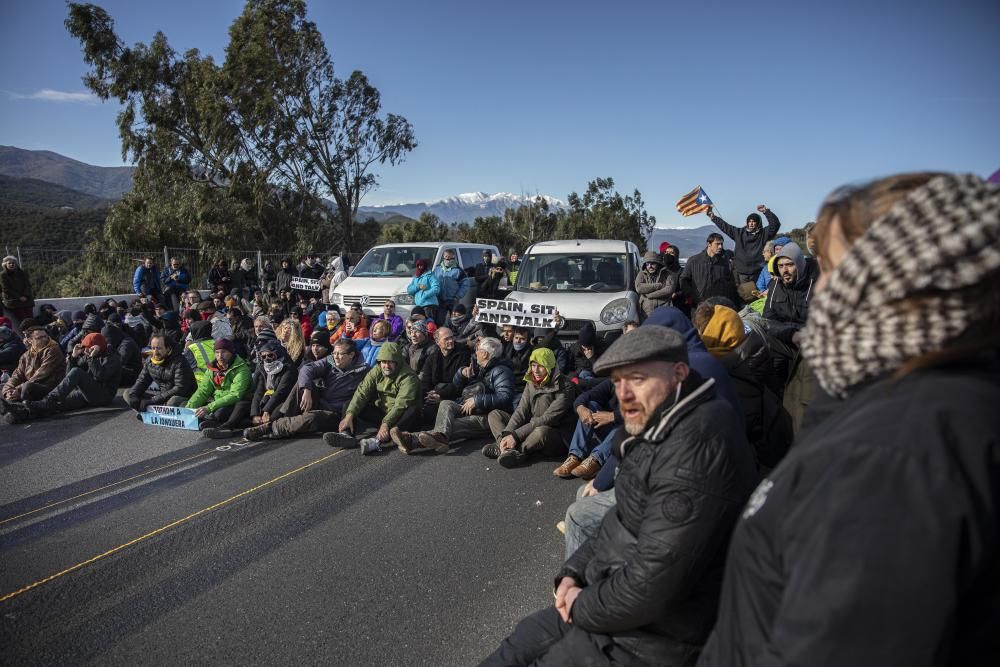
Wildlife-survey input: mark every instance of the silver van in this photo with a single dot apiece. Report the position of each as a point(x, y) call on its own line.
point(586, 280)
point(385, 271)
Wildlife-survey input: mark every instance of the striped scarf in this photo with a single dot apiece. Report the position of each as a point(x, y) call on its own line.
point(944, 236)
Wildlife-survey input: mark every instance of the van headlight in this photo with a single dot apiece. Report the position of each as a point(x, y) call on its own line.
point(615, 312)
point(403, 299)
point(337, 298)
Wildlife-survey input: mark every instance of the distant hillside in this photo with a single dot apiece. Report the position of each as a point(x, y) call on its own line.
point(103, 182)
point(42, 194)
point(689, 241)
point(460, 208)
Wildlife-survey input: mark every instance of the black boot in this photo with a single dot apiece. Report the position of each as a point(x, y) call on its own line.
point(16, 413)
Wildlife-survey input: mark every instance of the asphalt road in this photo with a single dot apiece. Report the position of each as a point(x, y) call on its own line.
point(129, 544)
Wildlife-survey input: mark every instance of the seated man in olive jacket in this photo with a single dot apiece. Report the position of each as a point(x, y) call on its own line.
point(645, 589)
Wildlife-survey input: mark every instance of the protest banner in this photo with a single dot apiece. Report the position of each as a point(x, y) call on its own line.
point(515, 313)
point(164, 415)
point(306, 284)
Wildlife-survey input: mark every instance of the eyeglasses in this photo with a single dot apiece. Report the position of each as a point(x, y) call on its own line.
point(343, 354)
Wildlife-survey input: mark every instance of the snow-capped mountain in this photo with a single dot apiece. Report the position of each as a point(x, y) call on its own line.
point(465, 207)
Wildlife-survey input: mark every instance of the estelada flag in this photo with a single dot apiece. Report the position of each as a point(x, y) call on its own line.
point(694, 202)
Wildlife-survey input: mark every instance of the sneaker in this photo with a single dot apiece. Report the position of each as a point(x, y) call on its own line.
point(588, 469)
point(433, 440)
point(257, 432)
point(403, 439)
point(370, 446)
point(345, 440)
point(566, 469)
point(491, 451)
point(219, 433)
point(512, 458)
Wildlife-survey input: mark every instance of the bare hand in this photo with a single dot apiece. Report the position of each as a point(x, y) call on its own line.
point(306, 402)
point(566, 585)
point(589, 490)
point(797, 337)
point(762, 208)
point(200, 413)
point(346, 424)
point(93, 351)
point(265, 418)
point(603, 418)
point(467, 371)
point(383, 433)
point(709, 212)
point(469, 406)
point(586, 415)
point(507, 442)
point(255, 421)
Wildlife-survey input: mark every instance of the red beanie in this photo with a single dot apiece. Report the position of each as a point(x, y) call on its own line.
point(92, 339)
point(664, 246)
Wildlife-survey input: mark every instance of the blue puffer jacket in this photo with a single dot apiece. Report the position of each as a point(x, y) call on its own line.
point(498, 383)
point(428, 296)
point(145, 281)
point(453, 282)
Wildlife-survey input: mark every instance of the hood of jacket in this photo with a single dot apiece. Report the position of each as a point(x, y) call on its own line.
point(544, 357)
point(391, 352)
point(793, 252)
point(724, 332)
point(650, 257)
point(668, 316)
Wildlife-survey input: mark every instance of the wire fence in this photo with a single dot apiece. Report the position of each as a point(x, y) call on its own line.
point(58, 272)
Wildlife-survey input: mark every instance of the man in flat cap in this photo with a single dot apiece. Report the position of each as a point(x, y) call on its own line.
point(646, 588)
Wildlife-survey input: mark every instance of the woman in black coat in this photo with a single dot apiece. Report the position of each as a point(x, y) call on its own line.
point(875, 540)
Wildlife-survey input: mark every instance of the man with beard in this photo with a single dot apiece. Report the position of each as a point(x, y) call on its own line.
point(172, 374)
point(787, 308)
point(388, 396)
point(444, 360)
point(656, 283)
point(38, 370)
point(645, 589)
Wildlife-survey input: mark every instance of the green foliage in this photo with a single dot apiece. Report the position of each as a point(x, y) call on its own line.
point(254, 143)
point(602, 213)
point(428, 228)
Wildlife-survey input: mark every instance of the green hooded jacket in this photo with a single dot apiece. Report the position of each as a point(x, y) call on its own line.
point(548, 404)
point(235, 386)
point(391, 394)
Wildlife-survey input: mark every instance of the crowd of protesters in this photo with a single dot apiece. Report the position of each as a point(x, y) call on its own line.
point(790, 457)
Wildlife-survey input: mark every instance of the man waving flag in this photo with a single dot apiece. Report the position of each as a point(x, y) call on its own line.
point(694, 202)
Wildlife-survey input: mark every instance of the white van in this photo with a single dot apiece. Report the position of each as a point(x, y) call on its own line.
point(386, 270)
point(586, 280)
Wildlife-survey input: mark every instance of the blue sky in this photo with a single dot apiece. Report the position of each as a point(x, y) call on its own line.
point(774, 102)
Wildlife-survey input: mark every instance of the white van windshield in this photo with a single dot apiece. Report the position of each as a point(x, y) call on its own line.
point(392, 261)
point(604, 272)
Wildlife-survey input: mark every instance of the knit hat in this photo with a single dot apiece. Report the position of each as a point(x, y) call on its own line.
point(201, 330)
point(650, 342)
point(320, 337)
point(92, 339)
point(272, 345)
point(79, 315)
point(266, 335)
point(782, 241)
point(225, 344)
point(459, 308)
point(588, 335)
point(419, 325)
point(417, 310)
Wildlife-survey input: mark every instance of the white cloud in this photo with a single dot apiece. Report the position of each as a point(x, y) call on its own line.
point(49, 95)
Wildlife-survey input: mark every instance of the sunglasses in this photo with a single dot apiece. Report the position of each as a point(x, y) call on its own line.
point(268, 356)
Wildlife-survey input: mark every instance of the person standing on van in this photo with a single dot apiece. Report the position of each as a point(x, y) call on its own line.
point(453, 284)
point(749, 241)
point(424, 288)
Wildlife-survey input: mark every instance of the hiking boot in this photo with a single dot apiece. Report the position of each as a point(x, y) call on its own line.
point(566, 469)
point(403, 439)
point(257, 432)
point(4, 406)
point(16, 413)
point(588, 469)
point(491, 450)
point(512, 458)
point(219, 433)
point(370, 446)
point(345, 440)
point(433, 440)
point(208, 423)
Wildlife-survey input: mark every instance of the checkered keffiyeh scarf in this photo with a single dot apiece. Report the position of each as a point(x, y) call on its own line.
point(943, 236)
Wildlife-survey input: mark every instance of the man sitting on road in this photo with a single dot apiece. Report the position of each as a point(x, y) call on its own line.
point(644, 590)
point(444, 359)
point(417, 352)
point(38, 370)
point(484, 385)
point(388, 396)
point(598, 413)
point(12, 348)
point(92, 380)
point(167, 367)
point(325, 387)
point(221, 386)
point(543, 419)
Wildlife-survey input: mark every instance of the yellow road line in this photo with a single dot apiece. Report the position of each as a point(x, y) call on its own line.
point(106, 486)
point(167, 527)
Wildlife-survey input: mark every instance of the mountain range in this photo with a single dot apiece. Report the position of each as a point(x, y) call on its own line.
point(465, 207)
point(103, 182)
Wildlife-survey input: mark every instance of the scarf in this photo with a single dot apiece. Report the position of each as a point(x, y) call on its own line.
point(272, 369)
point(875, 312)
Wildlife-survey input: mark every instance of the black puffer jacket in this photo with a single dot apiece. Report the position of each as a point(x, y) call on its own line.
point(439, 370)
point(651, 576)
point(876, 541)
point(498, 386)
point(173, 377)
point(705, 276)
point(127, 351)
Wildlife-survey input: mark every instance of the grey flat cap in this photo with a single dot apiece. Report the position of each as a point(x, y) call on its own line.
point(650, 342)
